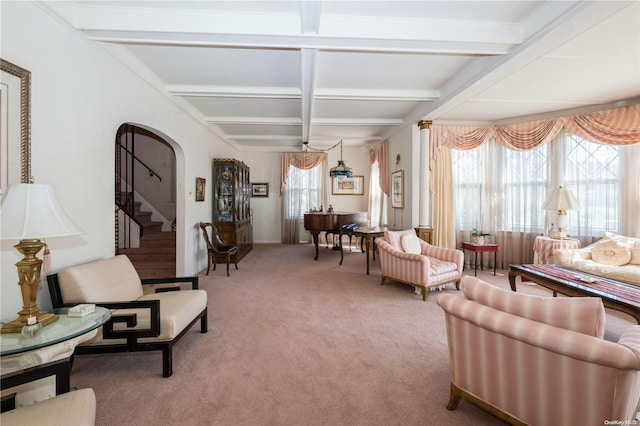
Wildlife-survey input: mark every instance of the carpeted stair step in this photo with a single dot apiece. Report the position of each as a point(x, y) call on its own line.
point(158, 239)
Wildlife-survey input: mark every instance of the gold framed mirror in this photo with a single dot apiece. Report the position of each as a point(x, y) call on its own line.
point(15, 125)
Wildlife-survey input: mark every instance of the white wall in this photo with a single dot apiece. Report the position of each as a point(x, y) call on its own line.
point(405, 144)
point(80, 96)
point(267, 211)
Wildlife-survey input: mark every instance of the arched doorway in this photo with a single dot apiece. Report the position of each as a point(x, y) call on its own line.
point(145, 200)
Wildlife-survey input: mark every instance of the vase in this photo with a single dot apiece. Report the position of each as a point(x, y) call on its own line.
point(479, 240)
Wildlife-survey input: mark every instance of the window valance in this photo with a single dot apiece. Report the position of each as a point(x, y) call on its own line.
point(616, 126)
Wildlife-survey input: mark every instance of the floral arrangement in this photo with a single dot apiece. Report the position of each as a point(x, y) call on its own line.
point(479, 233)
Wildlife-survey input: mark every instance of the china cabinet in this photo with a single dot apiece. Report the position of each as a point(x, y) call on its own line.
point(231, 204)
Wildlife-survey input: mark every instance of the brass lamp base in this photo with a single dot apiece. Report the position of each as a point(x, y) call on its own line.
point(29, 275)
point(17, 324)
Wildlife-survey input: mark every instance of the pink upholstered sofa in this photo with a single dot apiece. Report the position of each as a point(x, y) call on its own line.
point(407, 259)
point(539, 360)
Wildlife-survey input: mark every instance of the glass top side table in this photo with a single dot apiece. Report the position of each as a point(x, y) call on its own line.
point(64, 329)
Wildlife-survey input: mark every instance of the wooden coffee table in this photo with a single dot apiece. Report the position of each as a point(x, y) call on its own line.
point(614, 294)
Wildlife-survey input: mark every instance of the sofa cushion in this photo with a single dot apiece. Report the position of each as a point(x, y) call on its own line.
point(582, 314)
point(611, 252)
point(411, 244)
point(107, 280)
point(177, 310)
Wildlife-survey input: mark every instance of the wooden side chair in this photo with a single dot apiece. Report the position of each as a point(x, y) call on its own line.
point(216, 248)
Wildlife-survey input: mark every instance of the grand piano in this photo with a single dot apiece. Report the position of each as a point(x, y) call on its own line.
point(318, 222)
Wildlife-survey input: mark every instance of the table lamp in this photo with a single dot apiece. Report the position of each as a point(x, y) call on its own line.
point(561, 199)
point(30, 213)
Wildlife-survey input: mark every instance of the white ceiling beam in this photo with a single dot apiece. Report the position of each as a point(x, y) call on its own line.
point(235, 91)
point(262, 121)
point(308, 19)
point(308, 67)
point(376, 95)
point(266, 137)
point(310, 16)
point(356, 122)
point(266, 41)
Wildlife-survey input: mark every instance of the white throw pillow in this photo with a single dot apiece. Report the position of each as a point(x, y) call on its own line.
point(411, 244)
point(611, 252)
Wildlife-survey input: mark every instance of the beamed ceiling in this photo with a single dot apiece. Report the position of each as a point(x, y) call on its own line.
point(268, 75)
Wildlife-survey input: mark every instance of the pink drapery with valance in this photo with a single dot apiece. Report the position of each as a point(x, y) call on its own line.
point(616, 126)
point(300, 160)
point(380, 152)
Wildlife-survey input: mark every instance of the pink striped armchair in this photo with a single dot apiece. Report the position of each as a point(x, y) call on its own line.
point(539, 360)
point(424, 267)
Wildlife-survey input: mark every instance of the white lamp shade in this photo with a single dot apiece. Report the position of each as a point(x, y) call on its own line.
point(32, 211)
point(561, 199)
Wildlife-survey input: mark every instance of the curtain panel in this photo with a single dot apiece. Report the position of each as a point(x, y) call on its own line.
point(380, 152)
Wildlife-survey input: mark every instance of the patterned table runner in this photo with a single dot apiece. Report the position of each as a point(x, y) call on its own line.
point(615, 288)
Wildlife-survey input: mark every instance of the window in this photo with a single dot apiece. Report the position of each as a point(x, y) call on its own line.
point(303, 191)
point(593, 172)
point(503, 190)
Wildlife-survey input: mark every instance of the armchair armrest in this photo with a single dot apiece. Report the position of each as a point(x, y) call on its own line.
point(130, 319)
point(170, 280)
point(442, 253)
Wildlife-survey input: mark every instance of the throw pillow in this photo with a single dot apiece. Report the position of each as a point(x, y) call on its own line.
point(582, 314)
point(394, 238)
point(411, 244)
point(612, 252)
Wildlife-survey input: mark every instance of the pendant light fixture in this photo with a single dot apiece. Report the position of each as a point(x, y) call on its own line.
point(341, 170)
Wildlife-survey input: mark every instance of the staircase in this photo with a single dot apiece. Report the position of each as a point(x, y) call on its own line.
point(156, 256)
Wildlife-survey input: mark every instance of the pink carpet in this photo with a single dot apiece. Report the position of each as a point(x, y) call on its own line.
point(293, 341)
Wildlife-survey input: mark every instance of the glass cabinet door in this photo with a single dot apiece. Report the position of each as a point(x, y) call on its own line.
point(223, 208)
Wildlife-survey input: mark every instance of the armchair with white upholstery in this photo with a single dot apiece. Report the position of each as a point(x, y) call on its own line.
point(77, 408)
point(140, 320)
point(539, 360)
point(409, 260)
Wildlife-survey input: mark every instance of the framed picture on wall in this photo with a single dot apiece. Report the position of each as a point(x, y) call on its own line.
point(259, 189)
point(200, 188)
point(347, 185)
point(397, 189)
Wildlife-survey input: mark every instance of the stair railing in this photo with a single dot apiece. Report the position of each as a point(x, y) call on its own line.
point(125, 159)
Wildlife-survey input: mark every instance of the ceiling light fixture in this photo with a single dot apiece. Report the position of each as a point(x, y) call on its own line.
point(339, 171)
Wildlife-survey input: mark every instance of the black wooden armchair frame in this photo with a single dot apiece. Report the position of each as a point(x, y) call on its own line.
point(130, 320)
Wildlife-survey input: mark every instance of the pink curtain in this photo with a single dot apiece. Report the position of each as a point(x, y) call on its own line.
point(300, 160)
point(456, 137)
point(616, 126)
point(528, 135)
point(619, 126)
point(380, 153)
